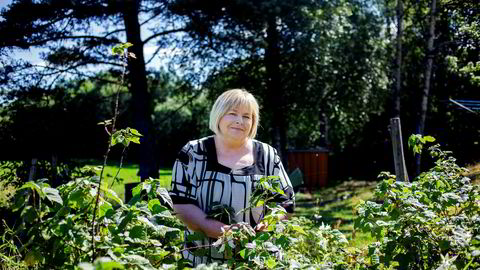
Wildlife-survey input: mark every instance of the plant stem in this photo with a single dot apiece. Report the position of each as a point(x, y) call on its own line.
point(119, 167)
point(105, 158)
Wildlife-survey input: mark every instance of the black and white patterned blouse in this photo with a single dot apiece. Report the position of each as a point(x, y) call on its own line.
point(199, 179)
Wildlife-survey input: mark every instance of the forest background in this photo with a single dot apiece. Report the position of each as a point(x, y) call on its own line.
point(328, 74)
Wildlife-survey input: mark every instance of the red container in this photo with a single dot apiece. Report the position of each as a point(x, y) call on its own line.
point(313, 164)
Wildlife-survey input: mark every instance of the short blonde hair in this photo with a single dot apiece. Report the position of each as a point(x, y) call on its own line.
point(231, 99)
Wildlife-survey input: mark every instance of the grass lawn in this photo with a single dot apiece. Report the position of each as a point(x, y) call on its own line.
point(127, 174)
point(335, 206)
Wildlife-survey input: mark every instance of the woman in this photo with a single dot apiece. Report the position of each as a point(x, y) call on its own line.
point(224, 169)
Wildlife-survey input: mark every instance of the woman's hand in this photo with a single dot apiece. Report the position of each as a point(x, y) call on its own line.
point(261, 227)
point(196, 220)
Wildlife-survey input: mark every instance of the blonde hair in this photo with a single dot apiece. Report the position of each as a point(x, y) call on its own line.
point(232, 99)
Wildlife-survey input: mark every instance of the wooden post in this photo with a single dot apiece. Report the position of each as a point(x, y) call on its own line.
point(398, 156)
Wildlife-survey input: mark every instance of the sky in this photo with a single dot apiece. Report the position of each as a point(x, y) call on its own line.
point(32, 55)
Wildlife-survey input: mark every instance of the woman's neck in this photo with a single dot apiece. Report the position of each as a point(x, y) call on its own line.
point(231, 145)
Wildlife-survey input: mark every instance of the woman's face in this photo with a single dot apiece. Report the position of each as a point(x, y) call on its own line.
point(236, 123)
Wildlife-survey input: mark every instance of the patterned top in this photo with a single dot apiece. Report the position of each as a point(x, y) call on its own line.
point(199, 179)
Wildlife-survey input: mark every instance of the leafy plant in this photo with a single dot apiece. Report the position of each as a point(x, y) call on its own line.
point(222, 213)
point(430, 223)
point(294, 243)
point(57, 223)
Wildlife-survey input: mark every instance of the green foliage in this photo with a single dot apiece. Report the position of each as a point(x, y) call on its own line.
point(430, 223)
point(119, 49)
point(281, 243)
point(331, 62)
point(57, 225)
point(7, 190)
point(417, 141)
point(10, 256)
point(125, 136)
point(222, 213)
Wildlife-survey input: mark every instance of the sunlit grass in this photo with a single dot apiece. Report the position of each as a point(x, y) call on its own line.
point(126, 175)
point(474, 172)
point(336, 206)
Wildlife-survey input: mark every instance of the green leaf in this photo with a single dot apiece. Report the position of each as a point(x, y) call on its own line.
point(109, 265)
point(271, 263)
point(33, 257)
point(29, 214)
point(260, 202)
point(375, 259)
point(439, 184)
point(158, 209)
point(152, 203)
point(139, 261)
point(137, 190)
point(112, 195)
point(127, 45)
point(33, 186)
point(103, 209)
point(222, 248)
point(124, 222)
point(135, 132)
point(117, 50)
point(444, 244)
point(76, 199)
point(138, 232)
point(165, 198)
point(53, 195)
point(196, 236)
point(134, 140)
point(298, 229)
point(120, 48)
point(429, 139)
point(243, 253)
point(86, 266)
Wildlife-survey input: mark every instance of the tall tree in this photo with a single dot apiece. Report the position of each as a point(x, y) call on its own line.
point(427, 78)
point(77, 36)
point(398, 60)
point(300, 58)
point(454, 44)
point(251, 27)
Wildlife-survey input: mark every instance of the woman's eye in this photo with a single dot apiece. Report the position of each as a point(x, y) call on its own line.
point(246, 117)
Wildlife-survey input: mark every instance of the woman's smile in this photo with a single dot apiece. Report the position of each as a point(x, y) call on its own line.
point(236, 123)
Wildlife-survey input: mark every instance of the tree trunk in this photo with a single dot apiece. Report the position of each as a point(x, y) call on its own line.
point(274, 101)
point(398, 71)
point(428, 75)
point(141, 106)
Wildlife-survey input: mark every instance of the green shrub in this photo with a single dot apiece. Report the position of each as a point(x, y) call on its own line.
point(7, 191)
point(431, 223)
point(56, 224)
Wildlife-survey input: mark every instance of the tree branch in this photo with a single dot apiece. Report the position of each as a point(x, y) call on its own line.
point(113, 32)
point(153, 55)
point(43, 41)
point(79, 74)
point(163, 33)
point(149, 19)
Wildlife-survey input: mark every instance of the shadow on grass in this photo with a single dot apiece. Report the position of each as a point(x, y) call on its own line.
point(334, 206)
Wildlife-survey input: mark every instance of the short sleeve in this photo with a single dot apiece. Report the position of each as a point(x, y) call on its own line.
point(287, 200)
point(183, 189)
